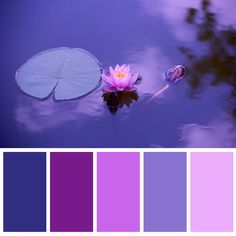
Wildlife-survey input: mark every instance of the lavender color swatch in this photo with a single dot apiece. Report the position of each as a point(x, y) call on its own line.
point(165, 192)
point(71, 192)
point(118, 192)
point(211, 192)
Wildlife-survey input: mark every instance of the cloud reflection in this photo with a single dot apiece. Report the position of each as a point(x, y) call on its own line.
point(150, 64)
point(217, 134)
point(173, 12)
point(35, 115)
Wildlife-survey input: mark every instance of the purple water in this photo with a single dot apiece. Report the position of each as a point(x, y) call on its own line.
point(151, 36)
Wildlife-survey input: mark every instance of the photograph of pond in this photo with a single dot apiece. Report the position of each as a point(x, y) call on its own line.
point(118, 74)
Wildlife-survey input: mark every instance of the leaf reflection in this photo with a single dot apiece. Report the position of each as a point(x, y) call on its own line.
point(214, 66)
point(117, 100)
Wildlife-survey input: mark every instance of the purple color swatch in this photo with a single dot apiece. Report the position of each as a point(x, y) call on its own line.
point(118, 192)
point(71, 192)
point(165, 192)
point(211, 192)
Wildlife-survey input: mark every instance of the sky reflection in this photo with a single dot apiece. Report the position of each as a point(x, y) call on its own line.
point(35, 115)
point(219, 133)
point(173, 12)
point(147, 64)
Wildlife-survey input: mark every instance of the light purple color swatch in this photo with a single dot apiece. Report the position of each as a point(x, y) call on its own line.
point(118, 192)
point(211, 192)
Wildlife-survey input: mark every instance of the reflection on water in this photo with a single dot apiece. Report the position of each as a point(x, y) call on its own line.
point(216, 65)
point(115, 101)
point(35, 115)
point(174, 12)
point(219, 133)
point(147, 64)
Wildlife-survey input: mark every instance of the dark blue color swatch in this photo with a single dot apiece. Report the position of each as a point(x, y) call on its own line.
point(24, 192)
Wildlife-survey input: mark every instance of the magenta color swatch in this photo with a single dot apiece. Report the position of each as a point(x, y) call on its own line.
point(118, 192)
point(71, 184)
point(211, 192)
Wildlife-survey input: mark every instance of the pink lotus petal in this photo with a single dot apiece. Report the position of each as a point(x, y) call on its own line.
point(107, 79)
point(127, 69)
point(123, 66)
point(111, 70)
point(130, 89)
point(133, 79)
point(120, 89)
point(110, 89)
point(120, 83)
point(117, 67)
point(123, 82)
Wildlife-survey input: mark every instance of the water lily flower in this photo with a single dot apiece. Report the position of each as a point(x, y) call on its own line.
point(175, 73)
point(120, 79)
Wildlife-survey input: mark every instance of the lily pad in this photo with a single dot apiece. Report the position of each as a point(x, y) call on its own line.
point(68, 73)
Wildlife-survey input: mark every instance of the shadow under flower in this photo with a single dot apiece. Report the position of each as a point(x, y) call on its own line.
point(117, 100)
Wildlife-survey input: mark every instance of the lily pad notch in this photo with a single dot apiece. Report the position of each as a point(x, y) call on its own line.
point(67, 73)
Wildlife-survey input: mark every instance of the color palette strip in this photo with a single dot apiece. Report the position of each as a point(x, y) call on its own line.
point(212, 192)
point(165, 192)
point(119, 183)
point(118, 192)
point(71, 186)
point(24, 192)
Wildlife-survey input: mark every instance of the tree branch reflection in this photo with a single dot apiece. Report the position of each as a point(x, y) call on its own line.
point(216, 65)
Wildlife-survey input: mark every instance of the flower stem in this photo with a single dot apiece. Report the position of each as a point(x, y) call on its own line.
point(157, 94)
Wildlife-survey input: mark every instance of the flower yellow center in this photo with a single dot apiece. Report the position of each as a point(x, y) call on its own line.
point(120, 75)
